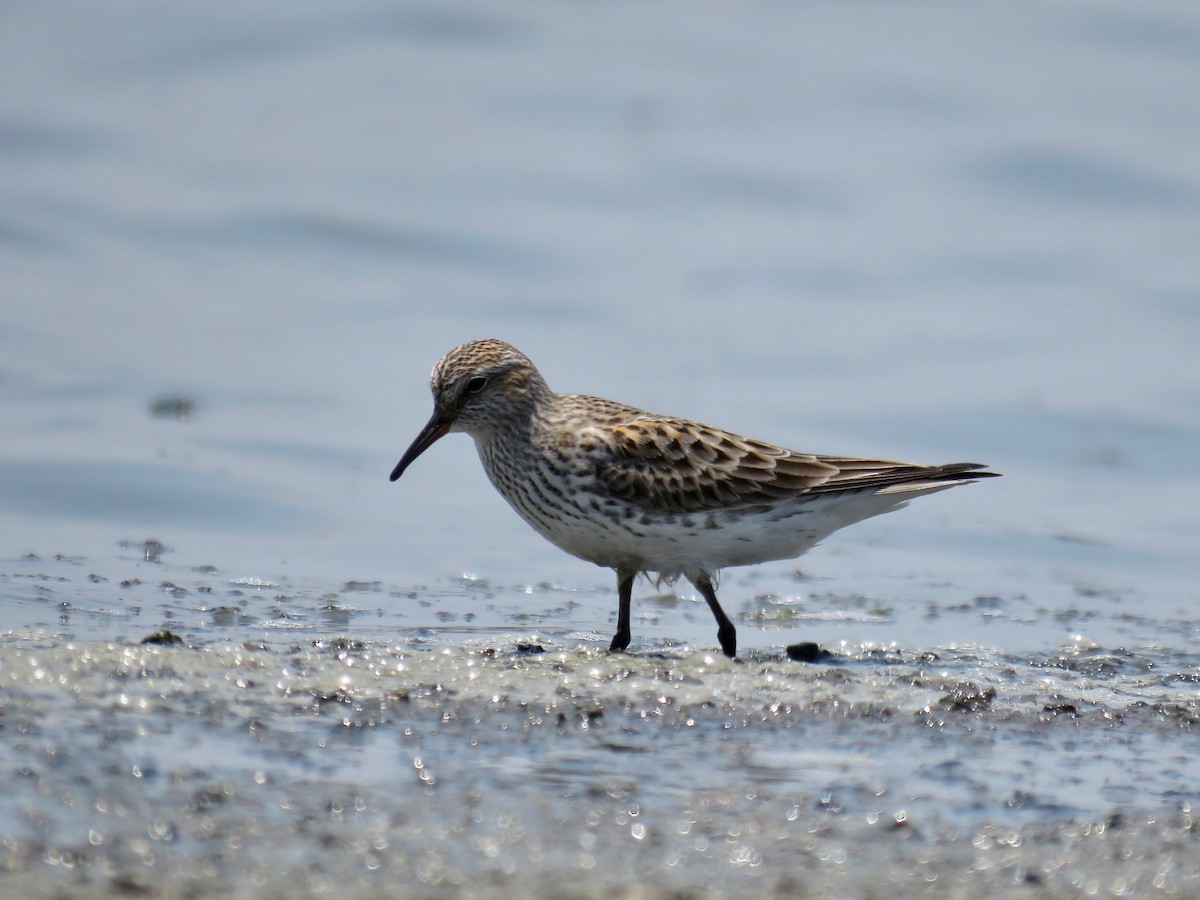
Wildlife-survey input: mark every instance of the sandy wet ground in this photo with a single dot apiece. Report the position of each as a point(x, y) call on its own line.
point(233, 752)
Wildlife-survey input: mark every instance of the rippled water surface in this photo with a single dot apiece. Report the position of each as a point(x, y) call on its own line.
point(235, 660)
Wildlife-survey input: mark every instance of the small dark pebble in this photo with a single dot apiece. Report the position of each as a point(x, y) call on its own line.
point(808, 652)
point(223, 616)
point(966, 696)
point(1021, 800)
point(165, 638)
point(172, 407)
point(530, 649)
point(152, 550)
point(1061, 709)
point(340, 644)
point(132, 884)
point(340, 695)
point(208, 797)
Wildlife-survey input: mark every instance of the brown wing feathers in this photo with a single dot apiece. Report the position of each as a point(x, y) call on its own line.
point(671, 465)
point(857, 474)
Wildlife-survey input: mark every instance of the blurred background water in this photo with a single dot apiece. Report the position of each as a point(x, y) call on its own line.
point(235, 238)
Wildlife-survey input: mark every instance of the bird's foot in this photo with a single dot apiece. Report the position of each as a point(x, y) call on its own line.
point(728, 640)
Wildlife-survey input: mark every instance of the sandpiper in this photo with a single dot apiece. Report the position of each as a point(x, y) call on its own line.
point(640, 492)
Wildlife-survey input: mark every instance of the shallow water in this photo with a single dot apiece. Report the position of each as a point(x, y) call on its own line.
point(174, 729)
point(235, 241)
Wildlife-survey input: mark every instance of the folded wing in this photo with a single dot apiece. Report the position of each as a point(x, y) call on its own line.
point(668, 465)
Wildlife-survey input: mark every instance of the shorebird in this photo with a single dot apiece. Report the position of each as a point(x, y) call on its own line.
point(643, 493)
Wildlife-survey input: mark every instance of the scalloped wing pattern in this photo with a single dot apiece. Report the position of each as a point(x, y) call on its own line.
point(669, 465)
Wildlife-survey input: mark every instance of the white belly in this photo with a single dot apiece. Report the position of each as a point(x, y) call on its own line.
point(701, 544)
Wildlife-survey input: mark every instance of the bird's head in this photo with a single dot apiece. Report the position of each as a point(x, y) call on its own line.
point(478, 387)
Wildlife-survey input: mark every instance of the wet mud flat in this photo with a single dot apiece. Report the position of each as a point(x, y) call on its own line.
point(177, 731)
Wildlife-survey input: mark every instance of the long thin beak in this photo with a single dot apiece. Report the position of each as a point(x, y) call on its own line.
point(434, 429)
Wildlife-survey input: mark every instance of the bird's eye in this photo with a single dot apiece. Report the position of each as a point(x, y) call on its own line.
point(476, 384)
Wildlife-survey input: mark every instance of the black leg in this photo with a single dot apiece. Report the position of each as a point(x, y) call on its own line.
point(625, 591)
point(726, 633)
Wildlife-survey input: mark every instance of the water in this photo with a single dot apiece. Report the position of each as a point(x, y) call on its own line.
point(234, 241)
